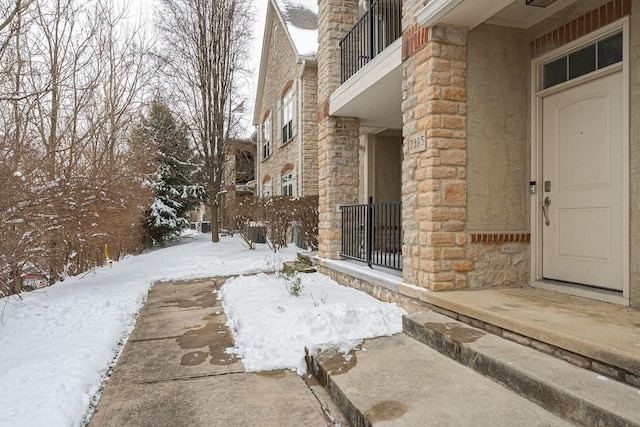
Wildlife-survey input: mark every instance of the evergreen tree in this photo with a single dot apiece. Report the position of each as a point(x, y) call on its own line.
point(177, 189)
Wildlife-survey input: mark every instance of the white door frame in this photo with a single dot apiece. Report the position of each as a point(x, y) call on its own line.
point(536, 160)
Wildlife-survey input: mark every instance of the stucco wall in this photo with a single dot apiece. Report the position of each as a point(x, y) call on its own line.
point(634, 153)
point(498, 149)
point(387, 158)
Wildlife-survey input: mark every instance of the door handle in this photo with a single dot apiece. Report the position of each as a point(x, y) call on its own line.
point(545, 205)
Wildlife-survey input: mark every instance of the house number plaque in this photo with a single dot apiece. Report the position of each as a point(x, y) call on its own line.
point(417, 142)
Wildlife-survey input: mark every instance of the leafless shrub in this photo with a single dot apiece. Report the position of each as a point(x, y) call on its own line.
point(242, 213)
point(304, 212)
point(71, 86)
point(276, 216)
point(277, 219)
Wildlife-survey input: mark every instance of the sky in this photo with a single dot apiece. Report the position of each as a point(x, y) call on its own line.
point(57, 343)
point(258, 33)
point(142, 11)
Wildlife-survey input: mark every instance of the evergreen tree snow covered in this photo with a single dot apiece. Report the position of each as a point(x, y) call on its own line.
point(177, 187)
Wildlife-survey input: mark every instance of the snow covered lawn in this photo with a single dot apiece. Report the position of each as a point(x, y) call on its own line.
point(271, 328)
point(56, 344)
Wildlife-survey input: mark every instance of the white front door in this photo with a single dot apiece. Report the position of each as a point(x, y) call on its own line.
point(583, 184)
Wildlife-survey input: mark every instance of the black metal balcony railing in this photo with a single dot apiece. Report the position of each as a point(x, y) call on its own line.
point(372, 233)
point(379, 27)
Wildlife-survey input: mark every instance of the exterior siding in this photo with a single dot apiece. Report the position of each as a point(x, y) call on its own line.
point(309, 131)
point(338, 137)
point(470, 92)
point(283, 69)
point(634, 152)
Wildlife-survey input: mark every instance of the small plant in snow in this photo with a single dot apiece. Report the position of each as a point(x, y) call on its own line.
point(320, 300)
point(292, 281)
point(274, 265)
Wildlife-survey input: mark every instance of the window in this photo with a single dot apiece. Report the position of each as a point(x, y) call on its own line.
point(266, 189)
point(287, 184)
point(596, 56)
point(287, 116)
point(266, 138)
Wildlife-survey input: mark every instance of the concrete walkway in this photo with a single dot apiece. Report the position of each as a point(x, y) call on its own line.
point(174, 372)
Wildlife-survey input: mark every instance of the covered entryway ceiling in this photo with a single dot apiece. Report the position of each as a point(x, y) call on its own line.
point(508, 13)
point(373, 94)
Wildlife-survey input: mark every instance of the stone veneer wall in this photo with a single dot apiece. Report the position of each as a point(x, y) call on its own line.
point(434, 181)
point(411, 305)
point(500, 259)
point(309, 131)
point(283, 68)
point(338, 184)
point(338, 137)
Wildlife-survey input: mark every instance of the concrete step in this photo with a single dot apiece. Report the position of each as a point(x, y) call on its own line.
point(591, 334)
point(398, 381)
point(576, 394)
point(466, 376)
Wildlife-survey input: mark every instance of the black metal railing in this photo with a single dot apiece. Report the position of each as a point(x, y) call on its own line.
point(372, 233)
point(379, 27)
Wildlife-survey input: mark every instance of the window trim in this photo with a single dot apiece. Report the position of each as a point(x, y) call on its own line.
point(267, 188)
point(266, 137)
point(287, 181)
point(575, 45)
point(566, 60)
point(287, 116)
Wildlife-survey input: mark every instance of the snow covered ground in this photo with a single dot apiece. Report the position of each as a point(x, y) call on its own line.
point(56, 344)
point(271, 327)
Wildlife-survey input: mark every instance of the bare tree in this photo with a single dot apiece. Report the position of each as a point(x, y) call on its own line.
point(205, 53)
point(73, 178)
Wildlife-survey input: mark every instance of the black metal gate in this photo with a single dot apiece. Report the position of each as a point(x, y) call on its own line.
point(372, 233)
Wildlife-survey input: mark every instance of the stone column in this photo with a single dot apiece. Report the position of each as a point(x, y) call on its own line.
point(338, 161)
point(434, 175)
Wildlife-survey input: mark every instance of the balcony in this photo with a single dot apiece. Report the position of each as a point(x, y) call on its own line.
point(372, 233)
point(371, 68)
point(380, 26)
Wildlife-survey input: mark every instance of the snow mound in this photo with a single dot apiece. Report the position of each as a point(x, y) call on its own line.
point(272, 328)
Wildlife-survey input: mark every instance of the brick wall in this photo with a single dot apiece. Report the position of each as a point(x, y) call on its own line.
point(309, 131)
point(283, 69)
point(581, 26)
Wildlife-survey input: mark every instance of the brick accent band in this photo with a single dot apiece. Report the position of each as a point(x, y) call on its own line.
point(499, 237)
point(287, 86)
point(323, 109)
point(287, 167)
point(413, 39)
point(587, 23)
